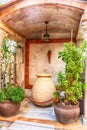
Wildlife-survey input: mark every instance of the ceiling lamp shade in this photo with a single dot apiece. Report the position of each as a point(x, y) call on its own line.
point(46, 35)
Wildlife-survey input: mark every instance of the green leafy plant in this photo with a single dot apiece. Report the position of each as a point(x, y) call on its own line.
point(13, 93)
point(56, 97)
point(2, 96)
point(8, 50)
point(56, 94)
point(70, 82)
point(7, 57)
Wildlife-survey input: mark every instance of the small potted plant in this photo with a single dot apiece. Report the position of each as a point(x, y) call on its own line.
point(10, 99)
point(56, 97)
point(70, 85)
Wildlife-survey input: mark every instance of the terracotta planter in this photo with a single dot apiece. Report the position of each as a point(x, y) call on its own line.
point(42, 91)
point(8, 108)
point(66, 114)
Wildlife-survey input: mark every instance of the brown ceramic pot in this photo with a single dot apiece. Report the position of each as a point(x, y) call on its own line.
point(67, 114)
point(8, 108)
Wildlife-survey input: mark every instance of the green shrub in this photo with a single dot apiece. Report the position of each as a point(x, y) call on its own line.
point(15, 94)
point(2, 96)
point(70, 81)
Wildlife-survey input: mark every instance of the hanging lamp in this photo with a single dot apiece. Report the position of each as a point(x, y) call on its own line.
point(46, 35)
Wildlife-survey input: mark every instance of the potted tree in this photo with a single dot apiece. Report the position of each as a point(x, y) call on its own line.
point(10, 99)
point(11, 94)
point(70, 86)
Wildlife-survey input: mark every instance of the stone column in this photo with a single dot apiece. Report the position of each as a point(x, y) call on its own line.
point(20, 64)
point(85, 99)
point(2, 35)
point(85, 96)
point(84, 33)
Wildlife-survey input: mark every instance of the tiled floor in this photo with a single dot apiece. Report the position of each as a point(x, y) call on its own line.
point(30, 111)
point(23, 125)
point(39, 113)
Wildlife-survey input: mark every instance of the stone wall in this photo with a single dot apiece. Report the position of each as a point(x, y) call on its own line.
point(20, 64)
point(38, 60)
point(82, 35)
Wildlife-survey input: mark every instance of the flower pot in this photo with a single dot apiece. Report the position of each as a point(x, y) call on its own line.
point(8, 108)
point(66, 114)
point(43, 89)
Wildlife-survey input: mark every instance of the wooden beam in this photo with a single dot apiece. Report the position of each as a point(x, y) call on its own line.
point(27, 65)
point(13, 35)
point(56, 40)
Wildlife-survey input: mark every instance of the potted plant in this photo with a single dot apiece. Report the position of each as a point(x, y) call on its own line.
point(10, 98)
point(70, 86)
point(8, 50)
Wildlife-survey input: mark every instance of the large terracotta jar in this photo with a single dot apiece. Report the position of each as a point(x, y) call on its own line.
point(42, 91)
point(67, 114)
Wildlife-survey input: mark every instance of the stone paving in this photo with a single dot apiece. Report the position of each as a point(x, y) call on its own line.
point(32, 117)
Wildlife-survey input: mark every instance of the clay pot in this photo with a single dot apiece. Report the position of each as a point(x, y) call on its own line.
point(43, 104)
point(66, 114)
point(8, 108)
point(43, 89)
